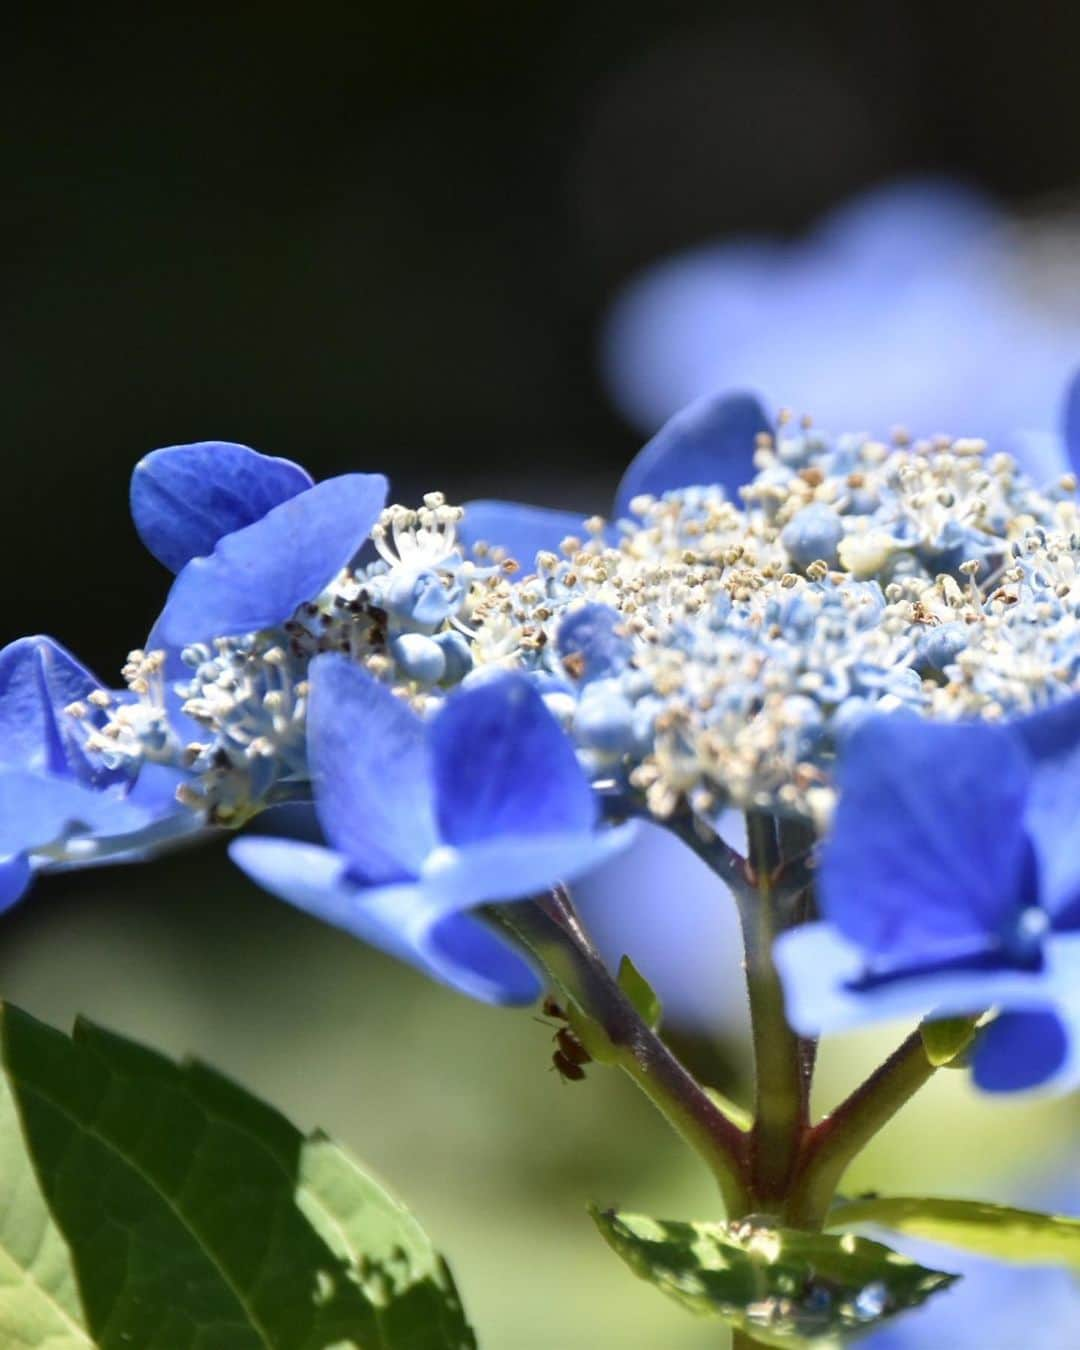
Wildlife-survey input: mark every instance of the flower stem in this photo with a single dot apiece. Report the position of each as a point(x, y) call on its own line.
point(550, 929)
point(836, 1140)
point(783, 1063)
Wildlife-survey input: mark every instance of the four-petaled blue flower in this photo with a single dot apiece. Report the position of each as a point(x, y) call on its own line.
point(710, 443)
point(61, 804)
point(428, 820)
point(249, 536)
point(950, 884)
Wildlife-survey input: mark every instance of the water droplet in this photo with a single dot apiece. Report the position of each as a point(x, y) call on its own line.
point(871, 1302)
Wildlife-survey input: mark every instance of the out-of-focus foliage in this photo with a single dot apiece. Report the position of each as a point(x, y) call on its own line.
point(146, 1203)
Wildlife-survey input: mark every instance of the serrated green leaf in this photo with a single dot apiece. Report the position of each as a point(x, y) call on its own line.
point(1023, 1236)
point(640, 992)
point(154, 1205)
point(946, 1038)
point(783, 1287)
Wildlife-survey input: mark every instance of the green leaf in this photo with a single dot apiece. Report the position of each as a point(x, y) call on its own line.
point(781, 1286)
point(153, 1205)
point(640, 992)
point(946, 1038)
point(1020, 1235)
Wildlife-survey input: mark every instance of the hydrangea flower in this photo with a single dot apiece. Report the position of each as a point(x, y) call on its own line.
point(711, 442)
point(428, 820)
point(250, 537)
point(949, 883)
point(710, 652)
point(62, 803)
point(912, 304)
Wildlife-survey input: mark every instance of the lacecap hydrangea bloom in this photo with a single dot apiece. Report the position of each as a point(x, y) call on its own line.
point(861, 642)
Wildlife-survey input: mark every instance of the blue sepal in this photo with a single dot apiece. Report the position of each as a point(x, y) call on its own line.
point(16, 874)
point(927, 855)
point(709, 443)
point(371, 772)
point(257, 576)
point(406, 920)
point(1020, 1050)
point(37, 810)
point(185, 498)
point(504, 766)
point(39, 679)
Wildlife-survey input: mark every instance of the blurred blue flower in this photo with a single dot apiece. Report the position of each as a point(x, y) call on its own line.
point(993, 1307)
point(251, 537)
point(61, 803)
point(710, 442)
point(950, 884)
point(996, 1305)
point(909, 305)
point(426, 821)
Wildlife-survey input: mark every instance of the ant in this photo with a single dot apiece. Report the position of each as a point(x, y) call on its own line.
point(569, 1055)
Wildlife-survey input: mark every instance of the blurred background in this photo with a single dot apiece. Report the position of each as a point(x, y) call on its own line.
point(486, 248)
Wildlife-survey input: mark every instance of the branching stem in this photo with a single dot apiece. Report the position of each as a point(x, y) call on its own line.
point(837, 1139)
point(549, 928)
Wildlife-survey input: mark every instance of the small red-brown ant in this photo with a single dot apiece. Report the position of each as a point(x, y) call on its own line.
point(569, 1055)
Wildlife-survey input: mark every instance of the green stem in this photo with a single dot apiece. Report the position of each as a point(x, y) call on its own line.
point(835, 1141)
point(556, 938)
point(783, 1063)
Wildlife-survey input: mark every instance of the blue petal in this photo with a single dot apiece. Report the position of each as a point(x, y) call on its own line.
point(404, 920)
point(523, 531)
point(37, 810)
point(710, 442)
point(1020, 1050)
point(1047, 733)
point(256, 577)
point(1052, 813)
point(16, 874)
point(1072, 422)
point(38, 679)
point(927, 854)
point(504, 766)
point(371, 771)
point(517, 868)
point(186, 497)
point(820, 971)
